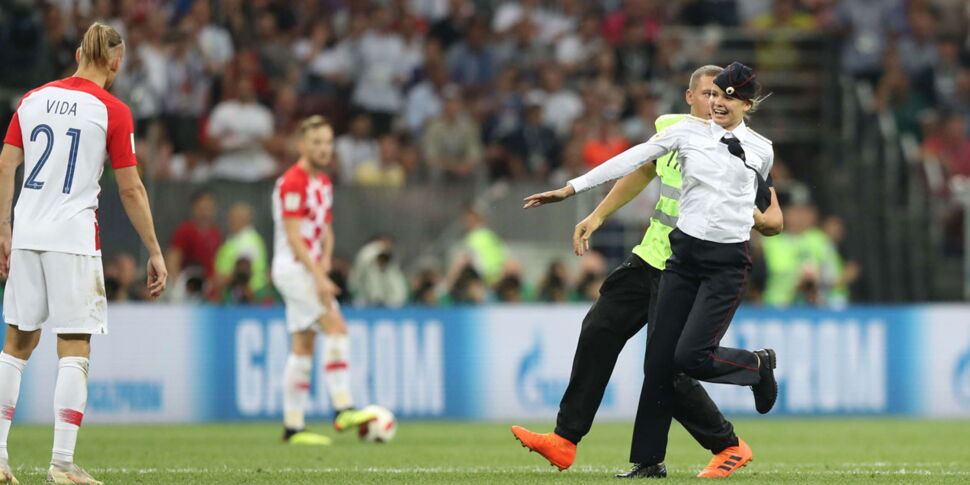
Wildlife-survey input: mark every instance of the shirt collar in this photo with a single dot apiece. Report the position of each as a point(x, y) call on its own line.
point(740, 132)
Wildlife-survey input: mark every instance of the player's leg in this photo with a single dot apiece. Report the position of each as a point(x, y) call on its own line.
point(296, 383)
point(617, 315)
point(24, 311)
point(302, 311)
point(78, 309)
point(336, 370)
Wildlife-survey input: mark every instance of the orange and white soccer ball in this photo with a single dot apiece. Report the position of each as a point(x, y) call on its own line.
point(382, 428)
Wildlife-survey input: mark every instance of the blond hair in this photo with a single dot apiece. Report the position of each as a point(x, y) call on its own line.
point(708, 70)
point(315, 121)
point(100, 45)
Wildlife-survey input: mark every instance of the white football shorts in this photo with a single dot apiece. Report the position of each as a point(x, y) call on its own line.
point(303, 308)
point(62, 289)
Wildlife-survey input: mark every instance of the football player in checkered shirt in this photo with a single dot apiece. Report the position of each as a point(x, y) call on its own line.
point(303, 245)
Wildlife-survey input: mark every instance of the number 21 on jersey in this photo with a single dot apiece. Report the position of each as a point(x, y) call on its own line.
point(48, 132)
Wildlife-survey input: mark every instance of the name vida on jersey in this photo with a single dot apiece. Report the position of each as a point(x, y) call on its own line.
point(57, 107)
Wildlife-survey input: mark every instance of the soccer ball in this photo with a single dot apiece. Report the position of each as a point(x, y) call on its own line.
point(380, 429)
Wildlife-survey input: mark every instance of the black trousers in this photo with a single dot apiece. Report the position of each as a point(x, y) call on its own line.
point(626, 303)
point(700, 290)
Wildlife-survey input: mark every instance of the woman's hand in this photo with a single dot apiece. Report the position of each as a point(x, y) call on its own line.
point(535, 200)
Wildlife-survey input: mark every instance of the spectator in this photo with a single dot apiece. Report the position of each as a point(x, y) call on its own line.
point(573, 164)
point(275, 54)
point(522, 49)
point(484, 249)
point(192, 252)
point(509, 289)
point(213, 40)
point(468, 289)
point(380, 70)
point(802, 263)
point(471, 61)
point(424, 287)
point(592, 273)
point(640, 126)
point(186, 93)
point(424, 99)
point(450, 29)
point(896, 94)
point(119, 278)
point(867, 26)
point(376, 278)
point(779, 29)
point(647, 13)
point(452, 144)
point(386, 171)
point(328, 60)
point(579, 47)
point(237, 289)
point(634, 55)
point(356, 148)
point(917, 47)
point(946, 78)
point(533, 149)
point(846, 271)
point(951, 146)
point(562, 105)
point(511, 14)
point(607, 141)
point(238, 130)
point(243, 242)
point(554, 286)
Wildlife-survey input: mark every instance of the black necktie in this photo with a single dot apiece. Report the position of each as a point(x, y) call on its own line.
point(734, 146)
point(762, 197)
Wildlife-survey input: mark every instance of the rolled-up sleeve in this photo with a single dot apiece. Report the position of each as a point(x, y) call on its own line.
point(633, 158)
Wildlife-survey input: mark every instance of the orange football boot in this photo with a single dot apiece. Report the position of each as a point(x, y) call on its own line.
point(727, 461)
point(558, 450)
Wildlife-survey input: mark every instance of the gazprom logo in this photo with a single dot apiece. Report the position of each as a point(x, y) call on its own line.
point(961, 380)
point(540, 387)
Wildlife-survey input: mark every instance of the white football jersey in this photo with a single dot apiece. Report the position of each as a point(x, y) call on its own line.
point(66, 129)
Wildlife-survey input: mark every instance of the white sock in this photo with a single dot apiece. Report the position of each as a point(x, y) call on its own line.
point(11, 370)
point(335, 355)
point(70, 399)
point(296, 390)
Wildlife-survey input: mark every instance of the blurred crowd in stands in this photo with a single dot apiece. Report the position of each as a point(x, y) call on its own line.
point(469, 92)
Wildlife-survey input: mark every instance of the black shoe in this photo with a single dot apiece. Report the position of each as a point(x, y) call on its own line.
point(766, 391)
point(641, 470)
point(288, 433)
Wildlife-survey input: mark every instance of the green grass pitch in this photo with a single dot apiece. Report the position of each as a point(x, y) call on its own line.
point(850, 450)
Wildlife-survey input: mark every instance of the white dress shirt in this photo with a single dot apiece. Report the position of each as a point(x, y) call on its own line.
point(717, 198)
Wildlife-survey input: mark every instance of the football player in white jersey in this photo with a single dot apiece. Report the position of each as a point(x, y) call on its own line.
point(302, 248)
point(62, 132)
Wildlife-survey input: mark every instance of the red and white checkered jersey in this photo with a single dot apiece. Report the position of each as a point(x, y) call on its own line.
point(66, 129)
point(309, 197)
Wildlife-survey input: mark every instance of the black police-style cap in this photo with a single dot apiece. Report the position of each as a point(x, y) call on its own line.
point(738, 80)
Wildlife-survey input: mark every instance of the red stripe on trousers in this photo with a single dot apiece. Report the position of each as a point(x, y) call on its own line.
point(734, 307)
point(339, 365)
point(303, 385)
point(70, 416)
point(7, 412)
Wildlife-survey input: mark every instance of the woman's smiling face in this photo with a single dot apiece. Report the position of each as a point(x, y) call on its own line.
point(727, 111)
